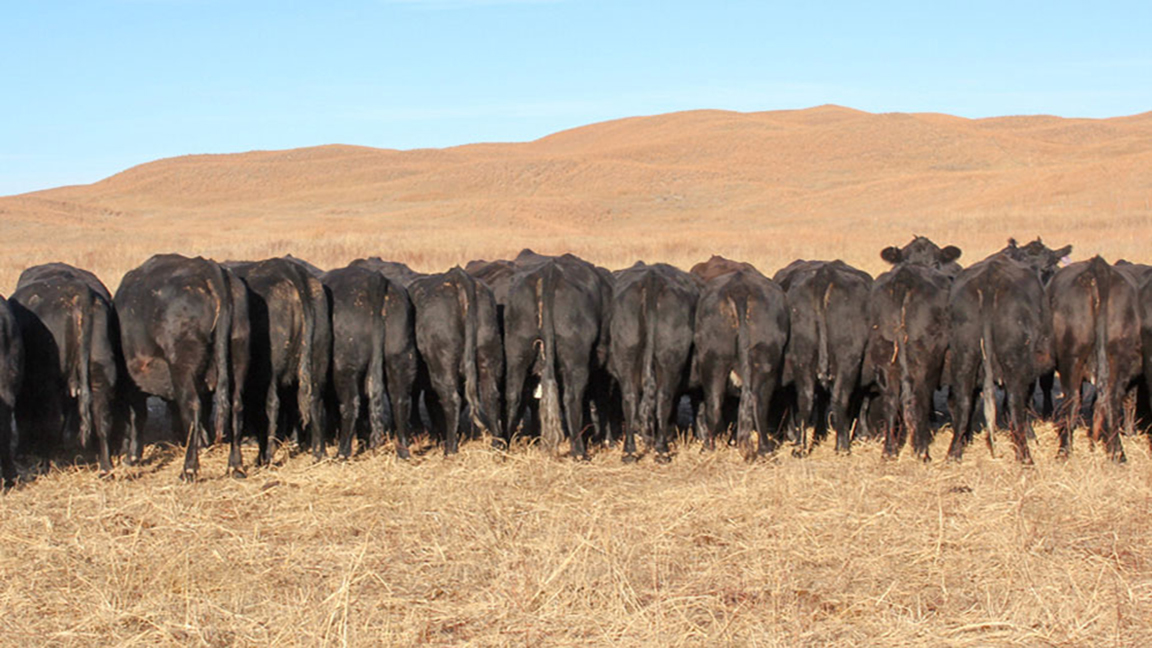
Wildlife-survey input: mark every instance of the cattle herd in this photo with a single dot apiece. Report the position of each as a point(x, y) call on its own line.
point(553, 347)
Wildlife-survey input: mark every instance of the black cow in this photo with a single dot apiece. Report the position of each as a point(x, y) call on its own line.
point(921, 251)
point(497, 275)
point(823, 363)
point(904, 358)
point(1001, 333)
point(718, 266)
point(392, 270)
point(1041, 259)
point(651, 332)
point(11, 378)
point(556, 328)
point(1140, 275)
point(184, 333)
point(72, 357)
point(1096, 324)
point(373, 353)
point(458, 338)
point(741, 330)
point(291, 350)
point(1044, 262)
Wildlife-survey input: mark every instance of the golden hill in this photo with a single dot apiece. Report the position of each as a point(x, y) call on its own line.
point(767, 187)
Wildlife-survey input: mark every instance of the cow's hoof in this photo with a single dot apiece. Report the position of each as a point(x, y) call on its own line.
point(799, 453)
point(1119, 458)
point(663, 458)
point(105, 475)
point(403, 453)
point(238, 473)
point(630, 458)
point(499, 444)
point(188, 476)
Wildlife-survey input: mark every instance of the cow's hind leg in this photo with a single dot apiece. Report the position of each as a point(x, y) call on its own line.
point(575, 383)
point(268, 433)
point(189, 402)
point(348, 397)
point(7, 466)
point(1112, 440)
point(962, 397)
point(102, 417)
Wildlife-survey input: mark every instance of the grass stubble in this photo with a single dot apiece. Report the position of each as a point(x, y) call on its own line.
point(515, 548)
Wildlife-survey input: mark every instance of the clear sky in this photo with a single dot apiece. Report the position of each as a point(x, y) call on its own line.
point(91, 88)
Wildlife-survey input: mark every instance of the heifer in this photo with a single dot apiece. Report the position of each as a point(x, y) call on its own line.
point(392, 270)
point(11, 377)
point(654, 310)
point(1001, 334)
point(740, 333)
point(291, 349)
point(458, 338)
point(72, 357)
point(373, 353)
point(821, 362)
point(1041, 259)
point(904, 358)
point(1096, 324)
point(497, 275)
point(1141, 277)
point(921, 251)
point(718, 266)
point(184, 334)
point(1044, 262)
point(556, 330)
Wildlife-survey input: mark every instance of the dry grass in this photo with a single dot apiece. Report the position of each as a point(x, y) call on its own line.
point(764, 187)
point(514, 548)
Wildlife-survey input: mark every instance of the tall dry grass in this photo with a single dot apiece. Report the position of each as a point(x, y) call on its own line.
point(494, 548)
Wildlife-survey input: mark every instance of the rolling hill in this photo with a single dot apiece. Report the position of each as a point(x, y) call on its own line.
point(767, 187)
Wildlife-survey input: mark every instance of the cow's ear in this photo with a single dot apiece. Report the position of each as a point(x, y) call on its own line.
point(891, 254)
point(949, 254)
point(1062, 252)
point(1012, 243)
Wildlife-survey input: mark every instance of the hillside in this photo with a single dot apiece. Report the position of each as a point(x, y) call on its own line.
point(768, 187)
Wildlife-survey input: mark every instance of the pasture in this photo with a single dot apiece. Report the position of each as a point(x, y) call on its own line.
point(517, 548)
point(491, 548)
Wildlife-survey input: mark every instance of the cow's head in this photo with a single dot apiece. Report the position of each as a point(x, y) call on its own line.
point(1040, 258)
point(921, 251)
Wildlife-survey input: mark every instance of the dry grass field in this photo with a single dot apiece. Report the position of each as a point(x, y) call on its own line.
point(489, 548)
point(514, 548)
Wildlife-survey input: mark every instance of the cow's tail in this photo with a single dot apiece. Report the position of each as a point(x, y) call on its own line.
point(221, 347)
point(1104, 387)
point(988, 360)
point(306, 371)
point(83, 318)
point(907, 387)
point(746, 416)
point(466, 294)
point(821, 309)
point(649, 295)
point(551, 425)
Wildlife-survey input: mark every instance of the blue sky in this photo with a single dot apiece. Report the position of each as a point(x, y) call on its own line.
point(91, 88)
